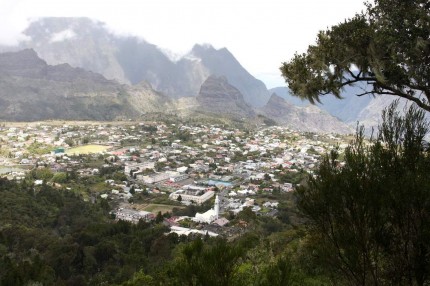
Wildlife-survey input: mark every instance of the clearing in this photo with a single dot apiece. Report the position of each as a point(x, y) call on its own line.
point(87, 149)
point(155, 208)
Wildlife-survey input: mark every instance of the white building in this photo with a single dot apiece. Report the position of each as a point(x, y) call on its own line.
point(191, 196)
point(133, 215)
point(210, 215)
point(129, 166)
point(186, 231)
point(179, 177)
point(155, 178)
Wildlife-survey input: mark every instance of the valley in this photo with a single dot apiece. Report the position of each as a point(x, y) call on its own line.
point(123, 164)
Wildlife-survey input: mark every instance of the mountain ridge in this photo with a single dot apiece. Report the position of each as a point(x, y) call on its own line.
point(308, 118)
point(30, 89)
point(86, 43)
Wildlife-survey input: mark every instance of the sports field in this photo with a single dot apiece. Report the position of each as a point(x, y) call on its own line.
point(155, 208)
point(87, 149)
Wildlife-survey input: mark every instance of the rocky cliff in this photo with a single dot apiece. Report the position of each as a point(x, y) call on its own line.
point(218, 96)
point(309, 118)
point(88, 44)
point(30, 89)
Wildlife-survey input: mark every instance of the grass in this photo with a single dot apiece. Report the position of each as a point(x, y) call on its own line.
point(87, 149)
point(155, 208)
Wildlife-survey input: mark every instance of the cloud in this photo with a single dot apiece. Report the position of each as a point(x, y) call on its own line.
point(260, 34)
point(63, 35)
point(13, 23)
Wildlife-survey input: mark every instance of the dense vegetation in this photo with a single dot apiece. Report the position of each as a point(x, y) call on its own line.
point(369, 220)
point(54, 237)
point(365, 222)
point(51, 236)
point(369, 215)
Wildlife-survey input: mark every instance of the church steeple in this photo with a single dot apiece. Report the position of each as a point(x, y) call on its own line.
point(216, 207)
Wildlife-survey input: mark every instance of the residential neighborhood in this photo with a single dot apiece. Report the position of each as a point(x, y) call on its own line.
point(145, 169)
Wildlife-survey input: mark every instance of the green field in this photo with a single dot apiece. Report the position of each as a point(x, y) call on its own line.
point(87, 149)
point(155, 208)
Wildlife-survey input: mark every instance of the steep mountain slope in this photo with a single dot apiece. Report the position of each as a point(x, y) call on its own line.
point(82, 42)
point(32, 90)
point(346, 109)
point(309, 118)
point(222, 63)
point(218, 96)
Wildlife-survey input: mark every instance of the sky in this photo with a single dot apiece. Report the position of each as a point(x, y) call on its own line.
point(261, 34)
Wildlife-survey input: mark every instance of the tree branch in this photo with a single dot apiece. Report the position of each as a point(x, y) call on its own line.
point(388, 89)
point(399, 93)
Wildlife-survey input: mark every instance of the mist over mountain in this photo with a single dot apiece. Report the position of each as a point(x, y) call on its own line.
point(222, 63)
point(85, 43)
point(348, 109)
point(30, 89)
point(85, 61)
point(304, 118)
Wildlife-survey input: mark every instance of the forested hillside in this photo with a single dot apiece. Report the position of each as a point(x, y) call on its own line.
point(51, 236)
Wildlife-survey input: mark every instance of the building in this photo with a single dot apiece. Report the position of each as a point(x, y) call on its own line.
point(210, 215)
point(154, 178)
point(133, 215)
point(134, 166)
point(179, 177)
point(197, 197)
point(186, 231)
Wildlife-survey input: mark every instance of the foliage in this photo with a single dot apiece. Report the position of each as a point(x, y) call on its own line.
point(39, 148)
point(53, 237)
point(247, 214)
point(44, 174)
point(370, 219)
point(192, 209)
point(288, 176)
point(386, 48)
point(202, 264)
point(69, 141)
point(60, 177)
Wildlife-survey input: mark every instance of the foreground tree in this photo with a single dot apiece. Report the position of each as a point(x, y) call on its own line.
point(387, 48)
point(206, 264)
point(369, 219)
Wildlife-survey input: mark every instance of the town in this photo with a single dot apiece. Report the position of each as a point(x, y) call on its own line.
point(195, 178)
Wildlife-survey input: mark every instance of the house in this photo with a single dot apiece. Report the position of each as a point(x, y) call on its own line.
point(198, 197)
point(187, 231)
point(178, 178)
point(133, 215)
point(155, 178)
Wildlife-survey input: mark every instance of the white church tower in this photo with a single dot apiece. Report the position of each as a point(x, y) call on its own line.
point(216, 207)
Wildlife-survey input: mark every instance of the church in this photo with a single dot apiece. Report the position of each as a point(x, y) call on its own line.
point(210, 215)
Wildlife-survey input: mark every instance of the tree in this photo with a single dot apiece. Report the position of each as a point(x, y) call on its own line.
point(60, 177)
point(140, 278)
point(159, 218)
point(247, 214)
point(44, 174)
point(69, 141)
point(279, 273)
point(213, 262)
point(387, 48)
point(369, 220)
point(132, 190)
